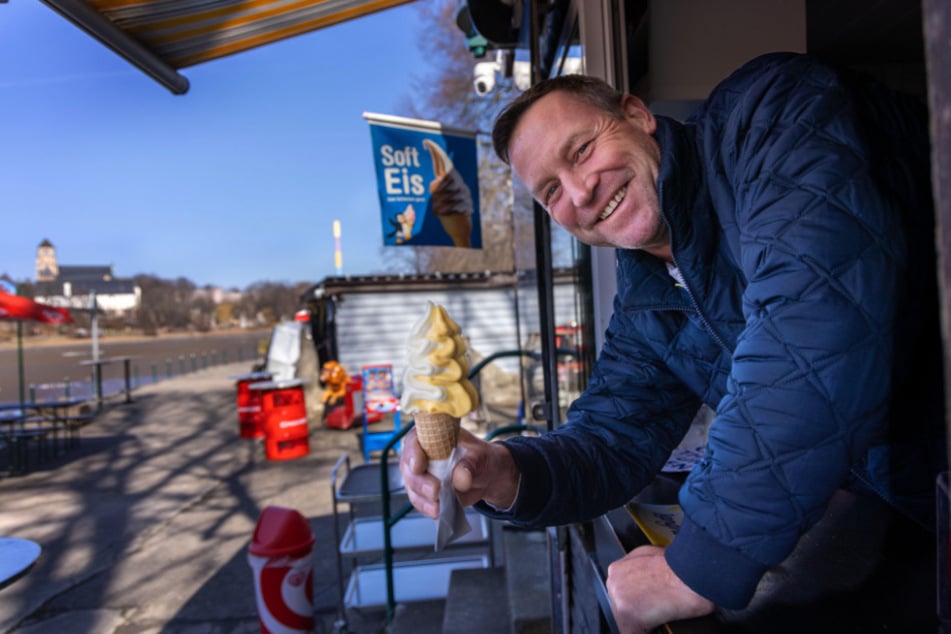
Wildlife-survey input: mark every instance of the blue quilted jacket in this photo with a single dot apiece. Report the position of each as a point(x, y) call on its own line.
point(799, 206)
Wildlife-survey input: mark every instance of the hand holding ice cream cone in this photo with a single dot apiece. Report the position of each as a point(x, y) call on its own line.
point(437, 393)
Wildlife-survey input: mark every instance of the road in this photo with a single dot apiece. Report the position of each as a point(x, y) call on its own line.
point(50, 362)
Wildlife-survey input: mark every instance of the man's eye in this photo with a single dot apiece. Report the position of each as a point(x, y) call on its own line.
point(582, 150)
point(549, 194)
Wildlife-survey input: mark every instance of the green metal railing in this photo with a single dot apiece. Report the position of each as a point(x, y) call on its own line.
point(390, 520)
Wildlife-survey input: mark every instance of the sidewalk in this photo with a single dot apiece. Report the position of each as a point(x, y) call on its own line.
point(145, 526)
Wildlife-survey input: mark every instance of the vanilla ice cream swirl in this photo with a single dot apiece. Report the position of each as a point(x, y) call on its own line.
point(436, 375)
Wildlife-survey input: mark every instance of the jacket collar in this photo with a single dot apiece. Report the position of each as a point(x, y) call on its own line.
point(679, 184)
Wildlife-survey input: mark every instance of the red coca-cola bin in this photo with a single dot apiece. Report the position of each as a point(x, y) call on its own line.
point(280, 555)
point(250, 420)
point(286, 428)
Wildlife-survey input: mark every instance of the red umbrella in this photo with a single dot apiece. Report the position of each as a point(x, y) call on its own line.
point(20, 309)
point(14, 307)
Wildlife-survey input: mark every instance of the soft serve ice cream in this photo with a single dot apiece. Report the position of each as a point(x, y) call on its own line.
point(436, 388)
point(437, 393)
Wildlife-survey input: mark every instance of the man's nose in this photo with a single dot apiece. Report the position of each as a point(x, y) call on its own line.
point(579, 188)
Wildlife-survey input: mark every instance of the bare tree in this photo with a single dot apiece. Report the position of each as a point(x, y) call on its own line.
point(445, 93)
point(180, 305)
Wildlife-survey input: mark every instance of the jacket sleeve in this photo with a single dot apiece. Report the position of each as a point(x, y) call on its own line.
point(617, 436)
point(821, 251)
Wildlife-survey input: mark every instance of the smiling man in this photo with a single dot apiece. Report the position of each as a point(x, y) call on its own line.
point(776, 262)
point(581, 141)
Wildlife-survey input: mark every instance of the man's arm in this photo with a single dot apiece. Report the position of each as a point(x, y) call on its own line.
point(617, 436)
point(821, 251)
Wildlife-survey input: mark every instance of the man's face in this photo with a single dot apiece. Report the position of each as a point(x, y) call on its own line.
point(596, 175)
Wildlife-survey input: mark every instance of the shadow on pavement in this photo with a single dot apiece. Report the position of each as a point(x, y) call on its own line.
point(145, 525)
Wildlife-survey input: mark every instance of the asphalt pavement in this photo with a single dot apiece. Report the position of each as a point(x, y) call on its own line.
point(145, 526)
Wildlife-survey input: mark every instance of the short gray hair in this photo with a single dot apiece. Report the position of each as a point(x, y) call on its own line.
point(590, 90)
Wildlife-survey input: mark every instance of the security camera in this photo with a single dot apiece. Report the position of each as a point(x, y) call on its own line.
point(484, 79)
point(572, 66)
point(522, 74)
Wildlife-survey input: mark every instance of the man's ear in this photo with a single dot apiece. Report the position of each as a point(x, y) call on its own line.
point(637, 112)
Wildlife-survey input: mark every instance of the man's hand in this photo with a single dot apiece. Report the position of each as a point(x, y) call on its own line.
point(485, 471)
point(645, 593)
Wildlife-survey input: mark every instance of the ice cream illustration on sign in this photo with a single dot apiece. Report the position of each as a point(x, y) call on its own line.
point(437, 393)
point(406, 221)
point(451, 198)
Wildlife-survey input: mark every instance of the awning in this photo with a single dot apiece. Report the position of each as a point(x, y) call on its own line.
point(162, 36)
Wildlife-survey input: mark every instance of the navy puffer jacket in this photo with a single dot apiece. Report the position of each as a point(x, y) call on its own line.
point(799, 206)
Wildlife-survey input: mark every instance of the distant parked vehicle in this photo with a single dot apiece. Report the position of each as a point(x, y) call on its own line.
point(82, 333)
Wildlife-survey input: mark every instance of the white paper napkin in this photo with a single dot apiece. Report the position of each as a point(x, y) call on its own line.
point(452, 522)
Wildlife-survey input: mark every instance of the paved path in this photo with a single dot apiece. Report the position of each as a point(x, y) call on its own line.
point(145, 526)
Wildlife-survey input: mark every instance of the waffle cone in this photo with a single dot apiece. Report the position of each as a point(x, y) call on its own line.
point(451, 197)
point(459, 228)
point(437, 434)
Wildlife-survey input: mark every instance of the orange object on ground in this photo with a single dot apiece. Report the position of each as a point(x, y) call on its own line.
point(335, 378)
point(345, 415)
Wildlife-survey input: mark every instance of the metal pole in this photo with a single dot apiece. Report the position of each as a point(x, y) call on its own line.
point(557, 538)
point(86, 18)
point(20, 361)
point(97, 379)
point(937, 25)
point(128, 381)
point(95, 325)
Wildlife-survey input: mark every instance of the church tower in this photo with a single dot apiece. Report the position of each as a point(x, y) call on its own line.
point(46, 268)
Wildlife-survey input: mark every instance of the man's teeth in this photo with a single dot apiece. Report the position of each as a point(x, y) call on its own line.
point(613, 204)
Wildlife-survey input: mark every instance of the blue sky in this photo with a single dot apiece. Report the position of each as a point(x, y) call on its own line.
point(235, 182)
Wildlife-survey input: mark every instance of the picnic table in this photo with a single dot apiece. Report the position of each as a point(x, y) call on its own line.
point(31, 421)
point(17, 556)
point(98, 363)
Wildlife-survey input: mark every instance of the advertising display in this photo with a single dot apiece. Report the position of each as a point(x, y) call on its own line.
point(427, 178)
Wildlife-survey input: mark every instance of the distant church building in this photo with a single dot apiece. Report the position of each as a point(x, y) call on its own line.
point(72, 286)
